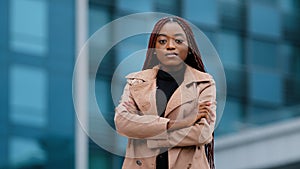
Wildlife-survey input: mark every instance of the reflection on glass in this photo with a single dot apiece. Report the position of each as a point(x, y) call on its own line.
point(264, 20)
point(98, 17)
point(286, 5)
point(230, 48)
point(201, 11)
point(232, 117)
point(26, 153)
point(266, 87)
point(135, 5)
point(28, 26)
point(264, 54)
point(28, 98)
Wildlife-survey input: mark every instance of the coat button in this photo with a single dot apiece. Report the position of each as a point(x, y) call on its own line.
point(138, 162)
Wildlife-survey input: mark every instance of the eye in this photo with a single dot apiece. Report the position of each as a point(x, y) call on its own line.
point(179, 41)
point(162, 41)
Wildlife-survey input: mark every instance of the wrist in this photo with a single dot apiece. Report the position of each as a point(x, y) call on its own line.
point(175, 124)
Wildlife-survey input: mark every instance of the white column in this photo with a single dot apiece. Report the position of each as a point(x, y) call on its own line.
point(81, 86)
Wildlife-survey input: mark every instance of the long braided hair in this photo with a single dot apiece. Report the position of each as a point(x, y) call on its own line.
point(193, 59)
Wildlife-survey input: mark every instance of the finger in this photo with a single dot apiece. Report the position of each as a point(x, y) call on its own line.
point(129, 107)
point(204, 110)
point(206, 117)
point(129, 104)
point(204, 105)
point(202, 115)
point(209, 113)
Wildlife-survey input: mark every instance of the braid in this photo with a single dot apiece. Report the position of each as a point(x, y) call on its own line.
point(193, 59)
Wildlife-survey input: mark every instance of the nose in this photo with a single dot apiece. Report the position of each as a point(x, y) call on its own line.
point(170, 45)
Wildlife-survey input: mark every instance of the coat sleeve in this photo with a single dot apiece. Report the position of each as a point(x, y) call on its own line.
point(134, 125)
point(198, 134)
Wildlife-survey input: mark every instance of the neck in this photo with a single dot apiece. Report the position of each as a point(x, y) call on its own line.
point(171, 68)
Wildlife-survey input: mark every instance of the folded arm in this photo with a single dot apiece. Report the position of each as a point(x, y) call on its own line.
point(198, 134)
point(133, 125)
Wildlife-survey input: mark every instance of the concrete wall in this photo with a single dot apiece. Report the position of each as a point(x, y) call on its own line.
point(269, 146)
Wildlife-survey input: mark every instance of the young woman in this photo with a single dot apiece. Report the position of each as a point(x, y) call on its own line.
point(168, 110)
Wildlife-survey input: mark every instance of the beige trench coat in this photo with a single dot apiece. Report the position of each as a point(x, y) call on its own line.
point(146, 131)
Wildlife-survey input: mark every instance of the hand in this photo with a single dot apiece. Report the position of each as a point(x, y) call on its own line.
point(204, 111)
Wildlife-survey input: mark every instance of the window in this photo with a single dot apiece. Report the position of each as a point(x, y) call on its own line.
point(26, 152)
point(264, 54)
point(286, 5)
point(285, 57)
point(201, 11)
point(135, 5)
point(266, 87)
point(232, 117)
point(264, 20)
point(295, 62)
point(168, 6)
point(28, 26)
point(98, 17)
point(131, 45)
point(230, 49)
point(28, 96)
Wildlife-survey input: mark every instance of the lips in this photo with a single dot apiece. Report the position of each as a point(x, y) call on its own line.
point(171, 54)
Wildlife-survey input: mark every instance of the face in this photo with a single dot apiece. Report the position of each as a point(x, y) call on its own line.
point(171, 45)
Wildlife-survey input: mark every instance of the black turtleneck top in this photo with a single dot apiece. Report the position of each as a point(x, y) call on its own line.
point(167, 83)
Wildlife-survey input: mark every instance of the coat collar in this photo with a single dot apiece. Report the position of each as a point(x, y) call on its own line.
point(191, 75)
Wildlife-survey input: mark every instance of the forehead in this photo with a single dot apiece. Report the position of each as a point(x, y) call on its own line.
point(171, 28)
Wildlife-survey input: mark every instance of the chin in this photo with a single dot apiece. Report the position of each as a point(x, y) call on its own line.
point(172, 64)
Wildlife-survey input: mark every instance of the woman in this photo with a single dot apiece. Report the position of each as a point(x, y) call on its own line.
point(168, 109)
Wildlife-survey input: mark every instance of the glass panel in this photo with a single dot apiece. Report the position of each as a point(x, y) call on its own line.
point(285, 57)
point(266, 87)
point(232, 14)
point(230, 48)
point(286, 5)
point(98, 17)
point(135, 5)
point(99, 159)
point(295, 62)
point(28, 95)
point(260, 114)
point(168, 6)
point(232, 117)
point(28, 24)
point(264, 54)
point(264, 20)
point(131, 45)
point(26, 153)
point(201, 11)
point(236, 82)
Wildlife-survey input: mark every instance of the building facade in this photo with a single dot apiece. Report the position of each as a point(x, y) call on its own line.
point(257, 41)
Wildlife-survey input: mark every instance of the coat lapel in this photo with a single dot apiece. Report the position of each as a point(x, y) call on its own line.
point(184, 93)
point(144, 96)
point(144, 92)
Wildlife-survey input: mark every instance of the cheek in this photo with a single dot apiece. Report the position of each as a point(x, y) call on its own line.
point(183, 53)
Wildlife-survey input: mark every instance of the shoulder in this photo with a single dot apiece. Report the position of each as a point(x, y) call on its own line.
point(199, 76)
point(141, 76)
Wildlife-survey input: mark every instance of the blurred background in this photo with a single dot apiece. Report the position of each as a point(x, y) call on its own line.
point(258, 42)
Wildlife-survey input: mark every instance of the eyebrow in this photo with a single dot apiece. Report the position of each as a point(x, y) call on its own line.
point(177, 34)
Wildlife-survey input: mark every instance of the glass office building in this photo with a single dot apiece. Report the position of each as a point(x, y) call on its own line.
point(257, 41)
